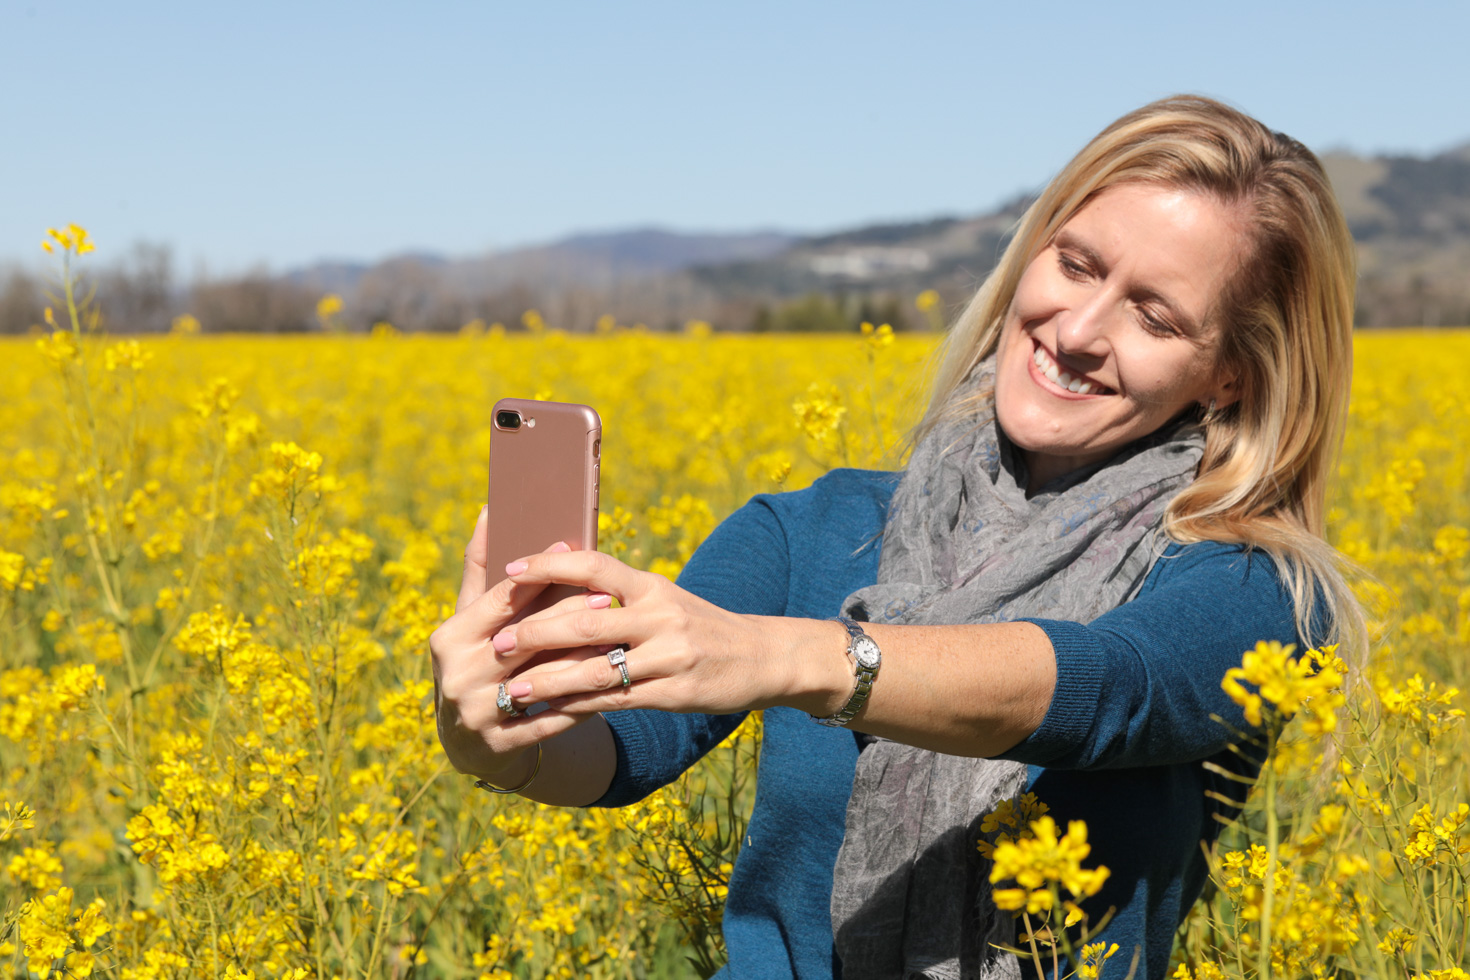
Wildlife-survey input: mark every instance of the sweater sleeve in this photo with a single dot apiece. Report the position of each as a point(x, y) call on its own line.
point(1140, 685)
point(743, 566)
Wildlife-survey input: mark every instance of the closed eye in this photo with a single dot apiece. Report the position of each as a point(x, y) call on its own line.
point(1078, 260)
point(1072, 269)
point(1154, 325)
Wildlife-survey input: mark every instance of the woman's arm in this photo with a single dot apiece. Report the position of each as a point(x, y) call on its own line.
point(1139, 686)
point(686, 654)
point(962, 690)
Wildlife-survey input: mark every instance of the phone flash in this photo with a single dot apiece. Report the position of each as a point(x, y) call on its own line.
point(530, 422)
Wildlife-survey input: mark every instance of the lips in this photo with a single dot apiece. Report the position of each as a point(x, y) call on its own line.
point(1076, 384)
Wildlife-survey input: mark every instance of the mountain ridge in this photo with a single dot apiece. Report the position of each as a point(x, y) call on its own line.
point(1410, 218)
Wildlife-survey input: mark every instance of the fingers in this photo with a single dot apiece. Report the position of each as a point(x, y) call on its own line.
point(572, 630)
point(582, 600)
point(592, 570)
point(471, 627)
point(487, 611)
point(533, 641)
point(472, 585)
point(595, 684)
point(492, 608)
point(469, 662)
point(478, 735)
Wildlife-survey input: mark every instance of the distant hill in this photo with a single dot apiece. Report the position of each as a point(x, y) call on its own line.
point(593, 259)
point(1409, 215)
point(1404, 198)
point(949, 254)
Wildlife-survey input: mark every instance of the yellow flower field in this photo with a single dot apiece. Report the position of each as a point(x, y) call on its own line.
point(221, 558)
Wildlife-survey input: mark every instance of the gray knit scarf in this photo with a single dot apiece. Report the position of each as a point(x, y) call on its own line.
point(964, 544)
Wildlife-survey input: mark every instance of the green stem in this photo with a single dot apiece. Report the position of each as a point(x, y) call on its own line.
point(1031, 941)
point(1263, 955)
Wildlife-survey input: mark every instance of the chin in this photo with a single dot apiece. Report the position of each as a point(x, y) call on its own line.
point(1066, 435)
point(1080, 454)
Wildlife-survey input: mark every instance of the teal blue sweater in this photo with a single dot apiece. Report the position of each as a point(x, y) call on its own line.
point(1122, 746)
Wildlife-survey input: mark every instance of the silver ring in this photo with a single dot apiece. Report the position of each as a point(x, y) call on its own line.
point(618, 657)
point(504, 703)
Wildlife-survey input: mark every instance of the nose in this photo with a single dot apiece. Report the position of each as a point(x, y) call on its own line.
point(1084, 330)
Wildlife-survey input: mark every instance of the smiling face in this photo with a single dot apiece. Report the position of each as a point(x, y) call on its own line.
point(1112, 331)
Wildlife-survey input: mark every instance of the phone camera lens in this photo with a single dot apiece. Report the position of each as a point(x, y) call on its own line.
point(508, 419)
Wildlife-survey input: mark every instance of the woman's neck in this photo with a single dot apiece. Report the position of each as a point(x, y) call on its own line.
point(1042, 468)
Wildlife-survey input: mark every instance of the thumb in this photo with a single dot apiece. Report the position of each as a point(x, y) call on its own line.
point(473, 585)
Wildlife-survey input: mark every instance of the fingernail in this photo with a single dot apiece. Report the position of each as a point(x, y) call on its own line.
point(560, 546)
point(483, 509)
point(503, 642)
point(599, 600)
point(516, 567)
point(518, 689)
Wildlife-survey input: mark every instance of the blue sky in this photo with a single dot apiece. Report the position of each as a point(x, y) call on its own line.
point(277, 133)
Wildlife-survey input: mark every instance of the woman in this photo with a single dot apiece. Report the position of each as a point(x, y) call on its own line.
point(1117, 488)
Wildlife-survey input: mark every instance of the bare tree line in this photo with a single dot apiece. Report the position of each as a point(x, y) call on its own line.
point(142, 294)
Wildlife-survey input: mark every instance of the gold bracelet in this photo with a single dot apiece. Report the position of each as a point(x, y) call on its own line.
point(534, 770)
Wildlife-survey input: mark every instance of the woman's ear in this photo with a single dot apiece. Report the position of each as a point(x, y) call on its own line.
point(1225, 392)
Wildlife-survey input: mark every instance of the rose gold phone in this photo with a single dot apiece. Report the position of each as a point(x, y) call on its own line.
point(544, 466)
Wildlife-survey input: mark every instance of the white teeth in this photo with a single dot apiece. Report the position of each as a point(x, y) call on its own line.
point(1062, 378)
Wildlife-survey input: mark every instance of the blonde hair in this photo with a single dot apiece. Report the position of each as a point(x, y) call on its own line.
point(1287, 335)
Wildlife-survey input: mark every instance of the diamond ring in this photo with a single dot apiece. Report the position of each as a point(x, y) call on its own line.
point(504, 703)
point(618, 657)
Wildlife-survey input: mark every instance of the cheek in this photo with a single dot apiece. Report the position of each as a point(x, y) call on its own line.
point(1164, 379)
point(1012, 355)
point(1035, 297)
point(1008, 345)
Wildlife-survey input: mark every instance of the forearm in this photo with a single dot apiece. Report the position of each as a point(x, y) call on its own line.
point(1138, 686)
point(971, 690)
point(576, 766)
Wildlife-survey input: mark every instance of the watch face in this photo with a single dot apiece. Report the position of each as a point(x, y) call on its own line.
point(865, 652)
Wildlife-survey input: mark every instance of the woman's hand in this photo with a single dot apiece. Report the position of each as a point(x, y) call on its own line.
point(478, 737)
point(686, 654)
point(683, 653)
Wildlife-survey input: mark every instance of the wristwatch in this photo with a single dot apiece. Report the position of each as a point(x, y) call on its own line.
point(866, 657)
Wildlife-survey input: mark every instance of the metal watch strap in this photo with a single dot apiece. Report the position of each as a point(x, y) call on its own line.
point(863, 684)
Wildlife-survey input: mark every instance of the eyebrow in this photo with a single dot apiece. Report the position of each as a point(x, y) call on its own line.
point(1066, 239)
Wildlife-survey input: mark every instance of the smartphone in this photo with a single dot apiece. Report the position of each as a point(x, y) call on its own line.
point(544, 465)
